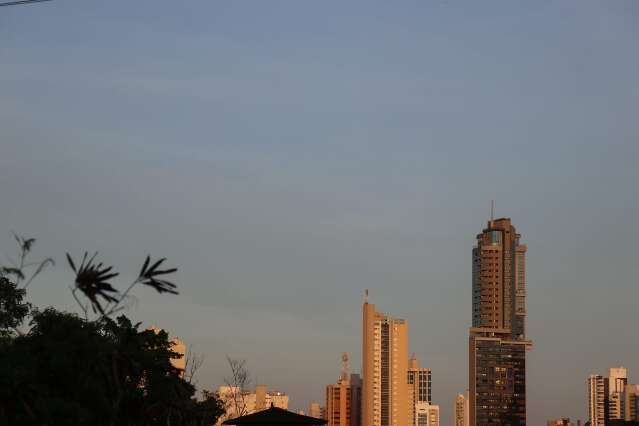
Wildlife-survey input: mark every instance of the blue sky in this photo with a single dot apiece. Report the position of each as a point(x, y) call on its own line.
point(287, 155)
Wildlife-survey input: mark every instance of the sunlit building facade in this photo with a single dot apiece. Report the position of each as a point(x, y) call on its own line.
point(497, 342)
point(426, 414)
point(597, 400)
point(384, 369)
point(419, 387)
point(238, 403)
point(461, 410)
point(631, 402)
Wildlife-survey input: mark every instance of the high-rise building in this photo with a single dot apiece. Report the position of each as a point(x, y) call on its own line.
point(497, 343)
point(356, 400)
point(597, 400)
point(419, 387)
point(631, 403)
point(315, 410)
point(384, 369)
point(499, 279)
point(338, 403)
point(343, 399)
point(461, 410)
point(426, 414)
point(617, 380)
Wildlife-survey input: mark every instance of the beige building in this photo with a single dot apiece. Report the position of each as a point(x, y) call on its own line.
point(596, 400)
point(239, 403)
point(315, 410)
point(419, 387)
point(338, 403)
point(461, 410)
point(617, 380)
point(426, 414)
point(384, 369)
point(631, 402)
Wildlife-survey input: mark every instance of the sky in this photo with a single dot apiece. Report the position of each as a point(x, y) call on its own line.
point(288, 155)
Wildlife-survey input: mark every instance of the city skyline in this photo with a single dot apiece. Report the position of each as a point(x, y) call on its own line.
point(286, 157)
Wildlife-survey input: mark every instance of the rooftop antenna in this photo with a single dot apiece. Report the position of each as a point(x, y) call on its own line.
point(366, 296)
point(344, 375)
point(492, 210)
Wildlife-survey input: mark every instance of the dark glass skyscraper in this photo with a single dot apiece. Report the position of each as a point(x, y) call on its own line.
point(497, 343)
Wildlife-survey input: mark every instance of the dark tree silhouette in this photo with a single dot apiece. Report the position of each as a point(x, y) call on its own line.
point(68, 370)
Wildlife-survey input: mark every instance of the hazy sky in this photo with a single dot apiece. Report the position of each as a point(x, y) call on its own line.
point(288, 155)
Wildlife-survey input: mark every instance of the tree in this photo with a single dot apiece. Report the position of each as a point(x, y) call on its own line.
point(192, 364)
point(237, 383)
point(12, 308)
point(71, 370)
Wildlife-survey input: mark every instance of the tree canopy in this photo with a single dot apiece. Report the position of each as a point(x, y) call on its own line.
point(69, 370)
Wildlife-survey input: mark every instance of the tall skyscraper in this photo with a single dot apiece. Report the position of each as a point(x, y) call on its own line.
point(385, 369)
point(419, 387)
point(597, 400)
point(499, 279)
point(461, 410)
point(497, 343)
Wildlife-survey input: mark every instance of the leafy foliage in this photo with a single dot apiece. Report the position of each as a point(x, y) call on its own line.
point(68, 370)
point(12, 308)
point(92, 280)
point(20, 269)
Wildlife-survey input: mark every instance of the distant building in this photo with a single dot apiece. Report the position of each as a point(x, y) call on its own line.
point(617, 380)
point(631, 403)
point(356, 400)
point(343, 399)
point(315, 410)
point(461, 410)
point(384, 369)
point(597, 400)
point(497, 342)
point(338, 403)
point(419, 387)
point(426, 414)
point(239, 403)
point(559, 422)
